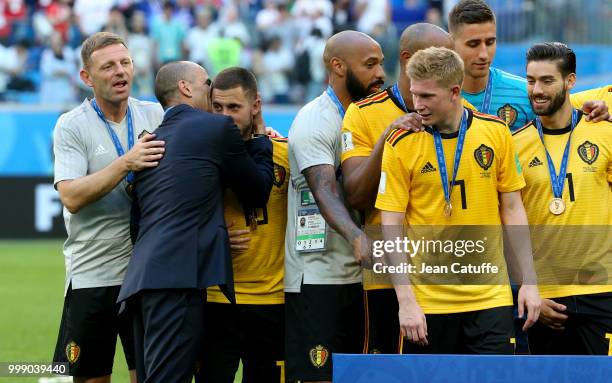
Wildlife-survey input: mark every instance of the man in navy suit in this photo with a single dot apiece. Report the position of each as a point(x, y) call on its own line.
point(182, 243)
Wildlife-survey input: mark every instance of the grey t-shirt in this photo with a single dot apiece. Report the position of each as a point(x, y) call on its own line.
point(314, 139)
point(98, 246)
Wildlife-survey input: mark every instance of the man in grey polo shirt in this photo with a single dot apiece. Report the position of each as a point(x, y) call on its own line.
point(323, 245)
point(97, 147)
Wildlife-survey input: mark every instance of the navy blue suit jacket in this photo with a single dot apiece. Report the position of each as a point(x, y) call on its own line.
point(182, 239)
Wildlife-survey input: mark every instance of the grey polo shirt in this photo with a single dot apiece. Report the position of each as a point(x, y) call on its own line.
point(98, 246)
point(314, 139)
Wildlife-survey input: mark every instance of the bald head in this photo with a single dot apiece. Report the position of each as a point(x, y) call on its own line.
point(169, 76)
point(343, 45)
point(424, 35)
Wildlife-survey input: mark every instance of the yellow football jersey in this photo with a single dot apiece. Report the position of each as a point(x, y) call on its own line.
point(258, 271)
point(580, 236)
point(604, 93)
point(410, 183)
point(364, 123)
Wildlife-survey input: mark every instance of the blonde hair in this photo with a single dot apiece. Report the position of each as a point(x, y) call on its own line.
point(440, 64)
point(97, 41)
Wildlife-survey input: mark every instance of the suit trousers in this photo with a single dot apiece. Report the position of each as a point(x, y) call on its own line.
point(168, 330)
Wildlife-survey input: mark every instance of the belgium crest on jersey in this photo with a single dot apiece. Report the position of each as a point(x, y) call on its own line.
point(318, 356)
point(279, 175)
point(484, 156)
point(507, 113)
point(588, 152)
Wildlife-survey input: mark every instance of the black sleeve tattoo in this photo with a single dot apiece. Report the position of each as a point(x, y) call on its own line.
point(322, 182)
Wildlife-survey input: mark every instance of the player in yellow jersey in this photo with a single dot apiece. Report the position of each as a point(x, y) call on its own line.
point(567, 164)
point(473, 28)
point(365, 126)
point(604, 93)
point(473, 25)
point(253, 329)
point(419, 175)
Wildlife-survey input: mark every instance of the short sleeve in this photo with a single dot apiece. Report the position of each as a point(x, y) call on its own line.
point(394, 186)
point(521, 149)
point(312, 140)
point(510, 171)
point(69, 151)
point(578, 99)
point(355, 141)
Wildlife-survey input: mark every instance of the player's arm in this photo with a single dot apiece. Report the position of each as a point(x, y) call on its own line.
point(594, 110)
point(392, 201)
point(247, 165)
point(361, 175)
point(413, 324)
point(520, 256)
point(79, 192)
point(321, 180)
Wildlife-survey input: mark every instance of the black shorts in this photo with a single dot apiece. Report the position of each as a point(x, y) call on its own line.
point(588, 328)
point(489, 331)
point(382, 332)
point(88, 332)
point(253, 333)
point(319, 321)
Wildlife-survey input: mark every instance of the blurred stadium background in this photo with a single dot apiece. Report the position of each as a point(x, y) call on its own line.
point(280, 40)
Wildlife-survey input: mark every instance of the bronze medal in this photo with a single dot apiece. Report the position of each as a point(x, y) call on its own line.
point(557, 206)
point(448, 209)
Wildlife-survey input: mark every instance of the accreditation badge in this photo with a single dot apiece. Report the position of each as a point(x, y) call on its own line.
point(310, 232)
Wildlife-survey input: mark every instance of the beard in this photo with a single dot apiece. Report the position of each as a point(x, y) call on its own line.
point(556, 103)
point(356, 89)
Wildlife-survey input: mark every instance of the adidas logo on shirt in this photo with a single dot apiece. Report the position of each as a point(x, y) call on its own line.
point(535, 162)
point(100, 150)
point(428, 168)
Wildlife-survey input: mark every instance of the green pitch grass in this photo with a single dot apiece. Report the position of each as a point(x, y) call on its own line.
point(31, 298)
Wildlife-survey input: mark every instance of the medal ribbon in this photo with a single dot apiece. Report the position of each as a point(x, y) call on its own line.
point(486, 100)
point(396, 92)
point(330, 92)
point(130, 176)
point(442, 161)
point(558, 180)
